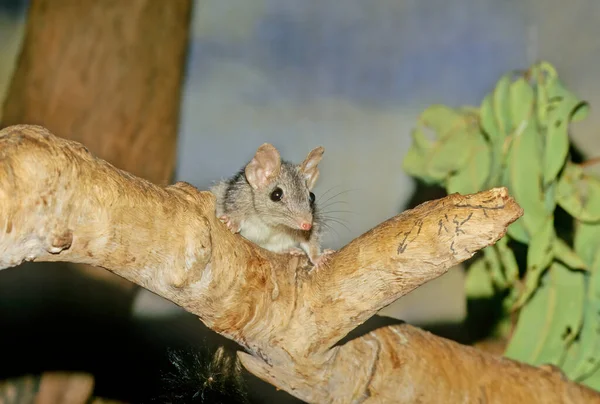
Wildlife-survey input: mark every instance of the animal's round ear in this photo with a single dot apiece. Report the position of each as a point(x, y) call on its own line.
point(310, 166)
point(264, 166)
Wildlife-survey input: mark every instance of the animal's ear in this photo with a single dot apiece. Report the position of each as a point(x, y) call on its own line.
point(263, 167)
point(310, 166)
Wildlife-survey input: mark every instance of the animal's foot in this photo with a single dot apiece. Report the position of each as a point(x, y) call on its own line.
point(323, 259)
point(232, 225)
point(295, 251)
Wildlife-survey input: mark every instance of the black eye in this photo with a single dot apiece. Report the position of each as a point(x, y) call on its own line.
point(312, 197)
point(277, 194)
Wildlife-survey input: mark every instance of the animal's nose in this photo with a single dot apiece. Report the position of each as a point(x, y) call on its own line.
point(305, 225)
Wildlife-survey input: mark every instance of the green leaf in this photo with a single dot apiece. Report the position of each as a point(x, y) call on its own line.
point(541, 79)
point(587, 241)
point(522, 102)
point(568, 290)
point(518, 231)
point(566, 255)
point(495, 119)
point(511, 299)
point(584, 364)
point(449, 150)
point(487, 120)
point(471, 178)
point(478, 282)
point(550, 197)
point(421, 142)
point(588, 359)
point(501, 101)
point(539, 257)
point(593, 380)
point(494, 265)
point(572, 355)
point(544, 73)
point(441, 119)
point(557, 145)
point(525, 176)
point(548, 69)
point(561, 107)
point(549, 322)
point(579, 194)
point(509, 262)
point(415, 161)
point(557, 93)
point(491, 128)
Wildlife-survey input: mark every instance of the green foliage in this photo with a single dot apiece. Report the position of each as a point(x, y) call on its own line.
point(518, 137)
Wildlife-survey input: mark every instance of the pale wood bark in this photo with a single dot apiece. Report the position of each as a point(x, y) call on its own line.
point(60, 203)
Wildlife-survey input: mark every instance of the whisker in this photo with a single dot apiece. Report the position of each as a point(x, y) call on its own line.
point(330, 228)
point(326, 192)
point(338, 211)
point(338, 194)
point(331, 204)
point(334, 220)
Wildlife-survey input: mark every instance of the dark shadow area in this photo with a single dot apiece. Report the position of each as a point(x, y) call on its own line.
point(56, 318)
point(423, 193)
point(371, 324)
point(13, 8)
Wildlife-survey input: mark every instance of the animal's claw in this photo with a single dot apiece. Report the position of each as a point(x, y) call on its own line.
point(231, 224)
point(322, 259)
point(296, 251)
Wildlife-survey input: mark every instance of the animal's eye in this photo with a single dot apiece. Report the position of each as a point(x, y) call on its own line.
point(312, 197)
point(277, 194)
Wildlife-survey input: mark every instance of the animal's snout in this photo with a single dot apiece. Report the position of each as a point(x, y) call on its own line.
point(306, 225)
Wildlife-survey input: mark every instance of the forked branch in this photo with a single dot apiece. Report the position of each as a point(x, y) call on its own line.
point(59, 203)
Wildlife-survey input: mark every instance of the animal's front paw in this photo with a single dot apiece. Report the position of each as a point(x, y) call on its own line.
point(232, 225)
point(295, 251)
point(323, 259)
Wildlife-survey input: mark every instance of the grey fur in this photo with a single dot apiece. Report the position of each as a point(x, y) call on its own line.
point(251, 207)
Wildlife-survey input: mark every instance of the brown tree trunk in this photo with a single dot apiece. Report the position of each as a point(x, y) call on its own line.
point(108, 74)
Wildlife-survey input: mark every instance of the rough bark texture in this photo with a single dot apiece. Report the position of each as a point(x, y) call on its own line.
point(107, 74)
point(59, 203)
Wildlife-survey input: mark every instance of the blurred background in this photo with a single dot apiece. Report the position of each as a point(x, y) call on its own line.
point(351, 76)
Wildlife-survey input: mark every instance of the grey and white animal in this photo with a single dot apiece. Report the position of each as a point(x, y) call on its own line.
point(270, 202)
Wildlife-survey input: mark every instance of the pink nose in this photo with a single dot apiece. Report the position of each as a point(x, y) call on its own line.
point(305, 225)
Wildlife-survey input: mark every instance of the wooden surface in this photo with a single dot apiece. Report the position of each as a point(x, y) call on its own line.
point(108, 74)
point(60, 203)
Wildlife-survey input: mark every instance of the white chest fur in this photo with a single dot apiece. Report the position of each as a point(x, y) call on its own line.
point(257, 231)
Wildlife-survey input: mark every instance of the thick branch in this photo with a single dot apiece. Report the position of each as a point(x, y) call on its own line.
point(403, 253)
point(59, 203)
point(403, 364)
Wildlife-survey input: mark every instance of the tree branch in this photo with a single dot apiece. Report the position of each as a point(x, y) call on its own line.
point(59, 203)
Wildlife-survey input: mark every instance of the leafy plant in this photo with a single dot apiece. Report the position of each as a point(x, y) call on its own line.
point(518, 137)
